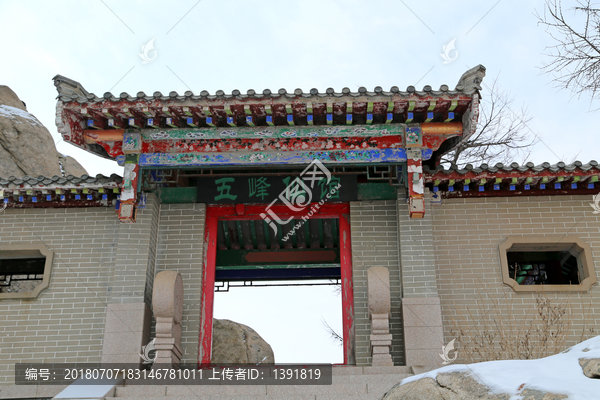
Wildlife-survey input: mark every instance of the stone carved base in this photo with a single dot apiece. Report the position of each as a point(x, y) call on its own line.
point(378, 288)
point(168, 353)
point(167, 298)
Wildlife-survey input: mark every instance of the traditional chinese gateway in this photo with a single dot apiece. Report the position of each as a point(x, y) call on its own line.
point(278, 186)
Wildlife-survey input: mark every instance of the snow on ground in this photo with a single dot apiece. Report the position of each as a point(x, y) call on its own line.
point(560, 373)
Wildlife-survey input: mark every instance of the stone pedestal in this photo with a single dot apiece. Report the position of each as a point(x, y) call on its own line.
point(167, 352)
point(167, 305)
point(127, 329)
point(423, 332)
point(378, 291)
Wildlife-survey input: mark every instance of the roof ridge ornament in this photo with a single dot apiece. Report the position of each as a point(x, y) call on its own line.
point(67, 87)
point(472, 78)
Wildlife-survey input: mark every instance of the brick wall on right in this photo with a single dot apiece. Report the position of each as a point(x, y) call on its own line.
point(467, 233)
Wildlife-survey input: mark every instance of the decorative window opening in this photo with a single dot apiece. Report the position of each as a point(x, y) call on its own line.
point(24, 270)
point(544, 268)
point(549, 263)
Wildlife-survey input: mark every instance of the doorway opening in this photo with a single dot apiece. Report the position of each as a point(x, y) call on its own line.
point(281, 283)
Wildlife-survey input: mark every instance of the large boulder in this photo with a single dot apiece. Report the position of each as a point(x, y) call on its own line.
point(26, 146)
point(458, 385)
point(572, 373)
point(235, 343)
point(590, 367)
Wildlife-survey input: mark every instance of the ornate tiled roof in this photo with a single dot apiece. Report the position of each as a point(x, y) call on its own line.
point(514, 179)
point(61, 181)
point(59, 191)
point(514, 168)
point(79, 113)
point(72, 91)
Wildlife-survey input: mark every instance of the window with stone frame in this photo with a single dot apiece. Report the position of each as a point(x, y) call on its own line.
point(24, 270)
point(548, 263)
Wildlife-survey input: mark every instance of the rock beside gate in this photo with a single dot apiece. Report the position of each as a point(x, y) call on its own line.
point(235, 343)
point(26, 146)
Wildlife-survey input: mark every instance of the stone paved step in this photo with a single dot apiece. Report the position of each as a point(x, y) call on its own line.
point(269, 397)
point(350, 383)
point(344, 385)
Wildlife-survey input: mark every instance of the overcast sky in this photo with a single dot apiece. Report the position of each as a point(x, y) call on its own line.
point(211, 45)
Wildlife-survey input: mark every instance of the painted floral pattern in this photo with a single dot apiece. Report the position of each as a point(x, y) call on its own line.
point(195, 135)
point(160, 135)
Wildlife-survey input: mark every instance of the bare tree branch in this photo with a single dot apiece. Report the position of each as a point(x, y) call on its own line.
point(501, 136)
point(575, 56)
point(334, 335)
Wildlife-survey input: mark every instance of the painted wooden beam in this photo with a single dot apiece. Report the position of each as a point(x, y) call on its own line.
point(152, 123)
point(453, 105)
point(172, 122)
point(439, 128)
point(106, 112)
point(115, 123)
point(378, 130)
point(410, 112)
point(249, 121)
point(134, 123)
point(372, 156)
point(430, 114)
point(93, 124)
point(268, 144)
point(166, 111)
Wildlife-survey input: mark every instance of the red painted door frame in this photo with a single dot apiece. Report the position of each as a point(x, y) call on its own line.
point(214, 214)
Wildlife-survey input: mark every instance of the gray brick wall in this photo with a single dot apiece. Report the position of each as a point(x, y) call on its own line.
point(65, 323)
point(374, 231)
point(417, 255)
point(134, 265)
point(180, 248)
point(467, 233)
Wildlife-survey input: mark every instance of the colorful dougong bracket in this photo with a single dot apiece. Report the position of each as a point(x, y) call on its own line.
point(416, 185)
point(128, 200)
